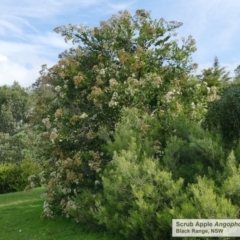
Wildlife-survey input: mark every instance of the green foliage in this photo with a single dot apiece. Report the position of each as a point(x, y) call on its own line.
point(118, 121)
point(68, 193)
point(129, 61)
point(237, 153)
point(136, 43)
point(18, 147)
point(237, 72)
point(142, 127)
point(18, 140)
point(138, 196)
point(215, 76)
point(223, 115)
point(14, 177)
point(204, 202)
point(231, 185)
point(191, 151)
point(14, 108)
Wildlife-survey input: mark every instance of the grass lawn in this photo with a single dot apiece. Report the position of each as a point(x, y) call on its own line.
point(20, 219)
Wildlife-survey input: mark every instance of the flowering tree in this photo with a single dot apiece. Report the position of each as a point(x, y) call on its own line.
point(128, 61)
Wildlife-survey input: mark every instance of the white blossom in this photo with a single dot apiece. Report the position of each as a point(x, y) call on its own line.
point(58, 88)
point(168, 96)
point(102, 72)
point(53, 135)
point(112, 103)
point(84, 115)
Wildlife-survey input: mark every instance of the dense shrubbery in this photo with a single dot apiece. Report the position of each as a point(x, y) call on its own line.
point(224, 115)
point(142, 193)
point(138, 194)
point(15, 177)
point(19, 143)
point(191, 151)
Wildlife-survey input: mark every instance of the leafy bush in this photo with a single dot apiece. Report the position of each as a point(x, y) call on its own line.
point(18, 147)
point(191, 151)
point(140, 195)
point(224, 115)
point(18, 140)
point(14, 177)
point(231, 185)
point(204, 200)
point(215, 76)
point(14, 108)
point(137, 196)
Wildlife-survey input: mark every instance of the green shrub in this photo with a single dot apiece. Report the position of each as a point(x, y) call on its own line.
point(14, 177)
point(223, 115)
point(138, 196)
point(17, 147)
point(191, 151)
point(231, 185)
point(237, 153)
point(204, 201)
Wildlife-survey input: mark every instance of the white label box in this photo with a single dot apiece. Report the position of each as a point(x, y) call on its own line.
point(206, 227)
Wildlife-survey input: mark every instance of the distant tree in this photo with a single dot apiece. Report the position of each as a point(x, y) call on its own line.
point(17, 138)
point(215, 75)
point(237, 72)
point(14, 107)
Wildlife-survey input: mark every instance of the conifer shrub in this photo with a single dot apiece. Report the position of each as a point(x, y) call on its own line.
point(205, 201)
point(138, 196)
point(231, 184)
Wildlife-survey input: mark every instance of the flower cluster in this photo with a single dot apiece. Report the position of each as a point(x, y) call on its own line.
point(78, 79)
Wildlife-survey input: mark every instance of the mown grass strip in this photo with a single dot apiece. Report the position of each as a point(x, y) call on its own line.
point(20, 220)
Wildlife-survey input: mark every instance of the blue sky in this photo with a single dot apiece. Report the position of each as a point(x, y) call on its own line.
point(27, 40)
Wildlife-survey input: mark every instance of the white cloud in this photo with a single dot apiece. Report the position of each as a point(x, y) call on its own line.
point(43, 8)
point(25, 73)
point(27, 40)
point(11, 72)
point(213, 24)
point(3, 58)
point(7, 27)
point(22, 62)
point(114, 8)
point(51, 39)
